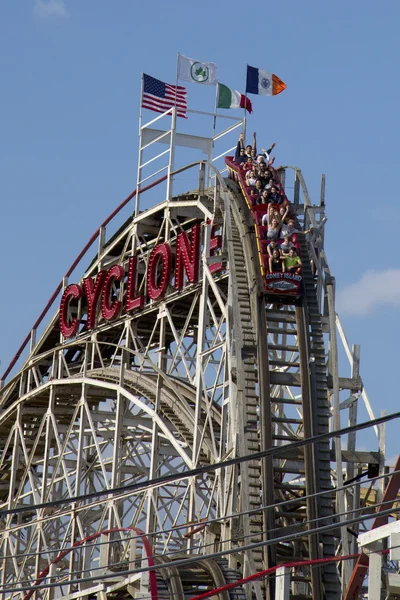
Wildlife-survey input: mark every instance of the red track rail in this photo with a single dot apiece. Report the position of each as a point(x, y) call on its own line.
point(70, 270)
point(270, 571)
point(90, 538)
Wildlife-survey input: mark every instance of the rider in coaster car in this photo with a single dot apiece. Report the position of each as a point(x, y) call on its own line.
point(286, 245)
point(289, 229)
point(276, 263)
point(273, 245)
point(251, 178)
point(263, 199)
point(243, 152)
point(275, 196)
point(293, 262)
point(259, 186)
point(249, 163)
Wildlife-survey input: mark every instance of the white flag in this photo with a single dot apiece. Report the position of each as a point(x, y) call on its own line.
point(197, 71)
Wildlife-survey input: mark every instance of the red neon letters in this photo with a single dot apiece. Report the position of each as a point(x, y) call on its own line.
point(157, 284)
point(93, 290)
point(187, 258)
point(110, 310)
point(132, 301)
point(98, 290)
point(69, 328)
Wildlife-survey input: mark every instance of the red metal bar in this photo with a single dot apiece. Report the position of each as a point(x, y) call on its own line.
point(71, 269)
point(362, 563)
point(90, 538)
point(270, 571)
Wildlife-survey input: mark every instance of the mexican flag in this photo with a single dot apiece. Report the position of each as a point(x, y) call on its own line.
point(228, 98)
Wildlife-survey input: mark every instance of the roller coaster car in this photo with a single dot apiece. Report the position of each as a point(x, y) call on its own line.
point(280, 288)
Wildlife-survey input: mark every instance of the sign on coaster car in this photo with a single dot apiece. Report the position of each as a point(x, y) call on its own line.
point(98, 291)
point(283, 283)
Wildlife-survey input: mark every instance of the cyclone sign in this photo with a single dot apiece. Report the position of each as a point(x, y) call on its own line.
point(115, 291)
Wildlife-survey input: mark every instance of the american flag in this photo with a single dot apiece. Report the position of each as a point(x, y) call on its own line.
point(160, 96)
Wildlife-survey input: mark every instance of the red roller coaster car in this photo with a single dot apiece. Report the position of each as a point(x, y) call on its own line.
point(288, 286)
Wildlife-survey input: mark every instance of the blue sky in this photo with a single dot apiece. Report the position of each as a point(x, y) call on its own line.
point(70, 74)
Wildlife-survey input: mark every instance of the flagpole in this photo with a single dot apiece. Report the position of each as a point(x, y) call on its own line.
point(172, 140)
point(208, 170)
point(245, 103)
point(177, 70)
point(215, 111)
point(139, 168)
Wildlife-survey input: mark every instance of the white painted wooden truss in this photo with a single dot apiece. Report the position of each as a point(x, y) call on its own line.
point(172, 387)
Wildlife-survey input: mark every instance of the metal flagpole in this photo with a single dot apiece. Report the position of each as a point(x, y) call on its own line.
point(245, 102)
point(215, 111)
point(172, 140)
point(213, 134)
point(139, 167)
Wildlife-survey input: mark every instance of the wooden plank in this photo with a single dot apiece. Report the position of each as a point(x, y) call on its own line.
point(279, 378)
point(293, 379)
point(357, 456)
point(346, 383)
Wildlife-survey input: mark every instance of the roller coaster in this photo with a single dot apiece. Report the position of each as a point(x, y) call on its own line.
point(155, 432)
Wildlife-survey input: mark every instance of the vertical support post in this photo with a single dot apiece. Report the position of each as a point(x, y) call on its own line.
point(296, 190)
point(113, 520)
point(199, 368)
point(209, 163)
point(103, 553)
point(33, 340)
point(31, 346)
point(144, 589)
point(267, 466)
point(322, 194)
point(334, 370)
point(171, 154)
point(140, 154)
point(353, 495)
point(102, 238)
point(4, 565)
point(46, 459)
point(200, 341)
point(86, 561)
point(382, 453)
point(10, 504)
point(309, 450)
point(202, 176)
point(375, 571)
point(152, 496)
point(78, 489)
point(52, 579)
point(132, 551)
point(282, 588)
